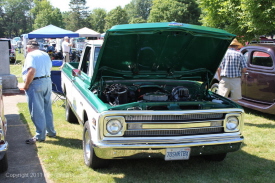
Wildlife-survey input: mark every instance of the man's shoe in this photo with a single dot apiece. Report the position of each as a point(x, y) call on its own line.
point(31, 141)
point(51, 136)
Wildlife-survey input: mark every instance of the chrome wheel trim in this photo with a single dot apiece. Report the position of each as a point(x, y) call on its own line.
point(87, 148)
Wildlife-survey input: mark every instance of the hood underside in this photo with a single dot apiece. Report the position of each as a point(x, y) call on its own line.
point(161, 50)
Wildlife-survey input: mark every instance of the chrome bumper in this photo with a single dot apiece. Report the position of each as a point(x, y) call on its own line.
point(132, 151)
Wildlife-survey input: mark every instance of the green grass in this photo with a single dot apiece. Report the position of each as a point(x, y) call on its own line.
point(63, 160)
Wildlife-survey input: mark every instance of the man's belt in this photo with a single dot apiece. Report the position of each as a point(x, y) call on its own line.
point(41, 77)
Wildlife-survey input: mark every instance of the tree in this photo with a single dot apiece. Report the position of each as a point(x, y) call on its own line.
point(14, 17)
point(185, 11)
point(97, 19)
point(115, 17)
point(138, 11)
point(2, 28)
point(77, 16)
point(46, 17)
point(245, 18)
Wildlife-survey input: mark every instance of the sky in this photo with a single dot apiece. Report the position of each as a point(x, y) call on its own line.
point(108, 5)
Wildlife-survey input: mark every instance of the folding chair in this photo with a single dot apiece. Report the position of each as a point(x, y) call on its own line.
point(56, 87)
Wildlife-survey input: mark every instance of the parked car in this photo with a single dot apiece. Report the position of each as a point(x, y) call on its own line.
point(258, 83)
point(12, 53)
point(3, 130)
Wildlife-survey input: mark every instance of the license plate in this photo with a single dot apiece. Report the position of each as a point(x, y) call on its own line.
point(177, 153)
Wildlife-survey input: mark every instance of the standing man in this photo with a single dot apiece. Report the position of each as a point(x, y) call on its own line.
point(66, 49)
point(19, 45)
point(38, 88)
point(230, 72)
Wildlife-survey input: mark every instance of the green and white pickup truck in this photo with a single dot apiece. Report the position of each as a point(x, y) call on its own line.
point(143, 92)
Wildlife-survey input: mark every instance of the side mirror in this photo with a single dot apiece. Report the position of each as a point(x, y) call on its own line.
point(76, 72)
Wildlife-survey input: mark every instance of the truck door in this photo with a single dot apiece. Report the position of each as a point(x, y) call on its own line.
point(258, 83)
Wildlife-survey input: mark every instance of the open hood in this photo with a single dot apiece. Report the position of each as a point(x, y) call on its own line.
point(161, 51)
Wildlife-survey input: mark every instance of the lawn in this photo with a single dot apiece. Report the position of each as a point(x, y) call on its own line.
point(63, 160)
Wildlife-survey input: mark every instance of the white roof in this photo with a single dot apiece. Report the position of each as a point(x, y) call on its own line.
point(86, 32)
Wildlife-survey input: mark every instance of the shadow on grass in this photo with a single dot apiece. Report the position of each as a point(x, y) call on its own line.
point(259, 114)
point(237, 167)
point(66, 142)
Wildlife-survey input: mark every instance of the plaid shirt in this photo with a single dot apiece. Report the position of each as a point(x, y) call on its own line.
point(232, 64)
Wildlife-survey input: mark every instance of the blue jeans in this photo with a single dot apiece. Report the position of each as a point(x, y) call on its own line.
point(40, 107)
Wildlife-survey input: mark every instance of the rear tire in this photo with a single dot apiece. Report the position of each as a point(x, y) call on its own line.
point(12, 60)
point(216, 157)
point(90, 158)
point(4, 164)
point(70, 116)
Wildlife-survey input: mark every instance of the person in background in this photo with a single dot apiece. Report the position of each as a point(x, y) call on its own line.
point(66, 46)
point(38, 88)
point(230, 72)
point(19, 45)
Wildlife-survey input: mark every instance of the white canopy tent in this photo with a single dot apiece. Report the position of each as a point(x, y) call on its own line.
point(86, 32)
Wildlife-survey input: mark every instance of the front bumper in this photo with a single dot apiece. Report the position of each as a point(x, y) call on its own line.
point(133, 151)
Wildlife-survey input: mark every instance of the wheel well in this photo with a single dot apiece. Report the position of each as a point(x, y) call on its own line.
point(85, 117)
point(213, 81)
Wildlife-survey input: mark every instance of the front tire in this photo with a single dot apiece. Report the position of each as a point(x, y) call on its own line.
point(4, 164)
point(90, 158)
point(70, 116)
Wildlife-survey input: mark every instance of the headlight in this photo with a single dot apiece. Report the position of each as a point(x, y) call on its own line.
point(114, 126)
point(232, 123)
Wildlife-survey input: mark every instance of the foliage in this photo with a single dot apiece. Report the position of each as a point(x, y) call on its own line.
point(138, 11)
point(97, 19)
point(46, 14)
point(77, 16)
point(2, 28)
point(134, 20)
point(13, 18)
point(245, 18)
point(185, 11)
point(115, 17)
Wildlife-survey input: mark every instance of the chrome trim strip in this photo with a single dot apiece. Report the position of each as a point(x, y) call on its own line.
point(182, 112)
point(171, 139)
point(175, 125)
point(167, 145)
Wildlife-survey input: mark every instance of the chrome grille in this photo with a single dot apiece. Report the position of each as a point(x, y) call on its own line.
point(135, 127)
point(173, 117)
point(140, 133)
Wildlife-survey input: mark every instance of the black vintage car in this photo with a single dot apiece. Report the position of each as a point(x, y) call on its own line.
point(3, 130)
point(12, 53)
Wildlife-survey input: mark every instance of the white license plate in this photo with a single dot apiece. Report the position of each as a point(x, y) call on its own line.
point(177, 153)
